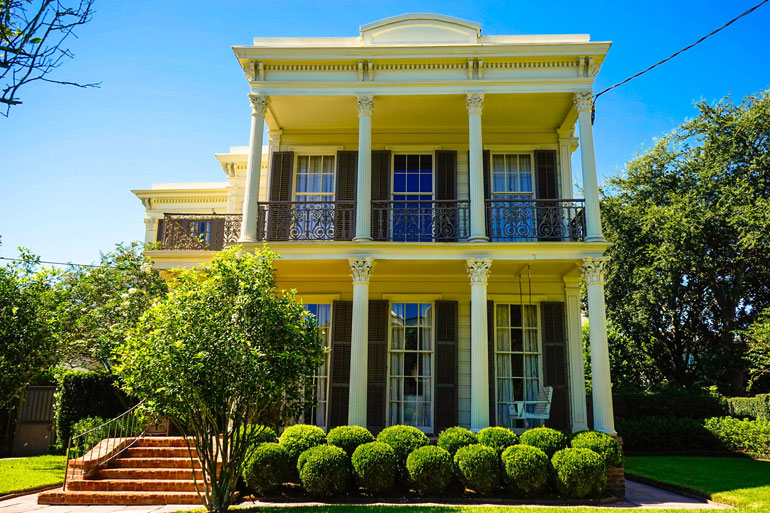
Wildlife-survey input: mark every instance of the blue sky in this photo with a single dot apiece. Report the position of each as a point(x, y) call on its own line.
point(172, 95)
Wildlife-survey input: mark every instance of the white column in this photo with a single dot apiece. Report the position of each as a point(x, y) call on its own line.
point(361, 271)
point(577, 382)
point(150, 230)
point(253, 168)
point(583, 103)
point(474, 103)
point(478, 270)
point(604, 419)
point(364, 178)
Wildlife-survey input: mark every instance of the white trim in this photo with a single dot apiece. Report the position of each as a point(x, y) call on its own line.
point(413, 149)
point(411, 298)
point(309, 299)
point(313, 150)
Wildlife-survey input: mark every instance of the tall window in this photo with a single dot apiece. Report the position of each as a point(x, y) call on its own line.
point(411, 365)
point(412, 197)
point(517, 359)
point(311, 219)
point(512, 180)
point(318, 415)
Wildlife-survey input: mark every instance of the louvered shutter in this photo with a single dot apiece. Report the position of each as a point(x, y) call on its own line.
point(345, 195)
point(549, 215)
point(446, 222)
point(380, 192)
point(491, 361)
point(446, 365)
point(161, 230)
point(377, 368)
point(554, 351)
point(217, 234)
point(279, 218)
point(342, 326)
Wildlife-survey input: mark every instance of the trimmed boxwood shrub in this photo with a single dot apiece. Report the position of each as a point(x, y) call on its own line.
point(348, 438)
point(477, 467)
point(498, 438)
point(579, 473)
point(601, 443)
point(749, 436)
point(757, 407)
point(324, 471)
point(263, 472)
point(525, 470)
point(546, 439)
point(299, 438)
point(453, 438)
point(403, 440)
point(430, 469)
point(374, 465)
point(304, 456)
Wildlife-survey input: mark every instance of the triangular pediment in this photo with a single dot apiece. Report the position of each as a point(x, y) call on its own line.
point(421, 28)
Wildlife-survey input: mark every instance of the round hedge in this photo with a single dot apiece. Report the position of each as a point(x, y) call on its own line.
point(299, 438)
point(477, 466)
point(453, 438)
point(324, 471)
point(498, 438)
point(525, 470)
point(374, 465)
point(579, 473)
point(403, 440)
point(348, 438)
point(601, 443)
point(304, 456)
point(546, 439)
point(264, 471)
point(430, 469)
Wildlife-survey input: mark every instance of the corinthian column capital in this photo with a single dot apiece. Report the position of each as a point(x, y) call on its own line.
point(259, 103)
point(593, 269)
point(478, 269)
point(365, 104)
point(474, 102)
point(361, 269)
point(583, 101)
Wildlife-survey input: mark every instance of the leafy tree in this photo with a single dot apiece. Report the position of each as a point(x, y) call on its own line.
point(224, 353)
point(104, 302)
point(30, 339)
point(32, 34)
point(689, 225)
point(757, 355)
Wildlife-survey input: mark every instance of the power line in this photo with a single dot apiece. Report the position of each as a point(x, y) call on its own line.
point(760, 4)
point(52, 263)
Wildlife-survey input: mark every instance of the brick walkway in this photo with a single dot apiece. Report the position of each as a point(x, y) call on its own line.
point(637, 495)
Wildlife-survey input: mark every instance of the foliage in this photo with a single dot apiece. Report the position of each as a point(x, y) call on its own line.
point(374, 465)
point(349, 438)
point(757, 356)
point(30, 329)
point(579, 473)
point(430, 469)
point(668, 401)
point(31, 39)
point(104, 303)
point(477, 467)
point(264, 470)
point(628, 365)
point(757, 407)
point(299, 438)
point(498, 438)
point(403, 440)
point(304, 455)
point(748, 436)
point(20, 474)
point(688, 226)
point(525, 470)
point(664, 434)
point(602, 444)
point(325, 472)
point(224, 353)
point(546, 439)
point(89, 436)
point(451, 439)
point(265, 434)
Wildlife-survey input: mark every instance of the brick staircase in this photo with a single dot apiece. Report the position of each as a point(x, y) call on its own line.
point(156, 470)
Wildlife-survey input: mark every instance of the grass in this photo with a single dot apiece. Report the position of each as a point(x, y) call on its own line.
point(740, 482)
point(441, 509)
point(19, 474)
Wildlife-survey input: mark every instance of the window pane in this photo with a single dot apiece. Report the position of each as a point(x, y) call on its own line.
point(517, 344)
point(411, 313)
point(515, 315)
point(410, 364)
point(397, 339)
point(426, 339)
point(410, 334)
point(503, 317)
point(503, 339)
point(426, 312)
point(396, 364)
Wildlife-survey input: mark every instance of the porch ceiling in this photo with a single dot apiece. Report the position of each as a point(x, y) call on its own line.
point(514, 112)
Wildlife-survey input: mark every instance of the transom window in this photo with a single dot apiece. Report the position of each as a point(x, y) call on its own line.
point(315, 178)
point(517, 359)
point(318, 414)
point(411, 365)
point(512, 176)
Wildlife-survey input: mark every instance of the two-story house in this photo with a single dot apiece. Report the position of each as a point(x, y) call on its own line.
point(417, 183)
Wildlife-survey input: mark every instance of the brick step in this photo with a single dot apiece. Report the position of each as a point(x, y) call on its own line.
point(162, 441)
point(149, 473)
point(117, 498)
point(131, 485)
point(152, 463)
point(159, 452)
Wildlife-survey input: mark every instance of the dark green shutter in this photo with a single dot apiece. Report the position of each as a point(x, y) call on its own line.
point(549, 215)
point(380, 192)
point(342, 326)
point(554, 352)
point(446, 365)
point(446, 222)
point(345, 195)
point(377, 368)
point(161, 230)
point(491, 362)
point(217, 234)
point(278, 224)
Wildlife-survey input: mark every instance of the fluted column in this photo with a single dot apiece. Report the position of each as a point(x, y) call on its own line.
point(583, 103)
point(253, 167)
point(474, 103)
point(364, 179)
point(360, 271)
point(604, 419)
point(478, 271)
point(577, 382)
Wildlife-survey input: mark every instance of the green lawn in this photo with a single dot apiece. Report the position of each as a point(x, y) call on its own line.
point(441, 509)
point(19, 474)
point(740, 482)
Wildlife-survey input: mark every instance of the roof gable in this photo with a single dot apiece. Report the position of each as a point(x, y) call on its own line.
point(420, 28)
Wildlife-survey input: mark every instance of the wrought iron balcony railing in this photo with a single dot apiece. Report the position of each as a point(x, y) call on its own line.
point(421, 220)
point(295, 220)
point(201, 232)
point(511, 220)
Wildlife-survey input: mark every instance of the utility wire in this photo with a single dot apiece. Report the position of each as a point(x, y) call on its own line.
point(760, 4)
point(52, 263)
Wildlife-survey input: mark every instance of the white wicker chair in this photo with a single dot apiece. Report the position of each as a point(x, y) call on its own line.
point(541, 410)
